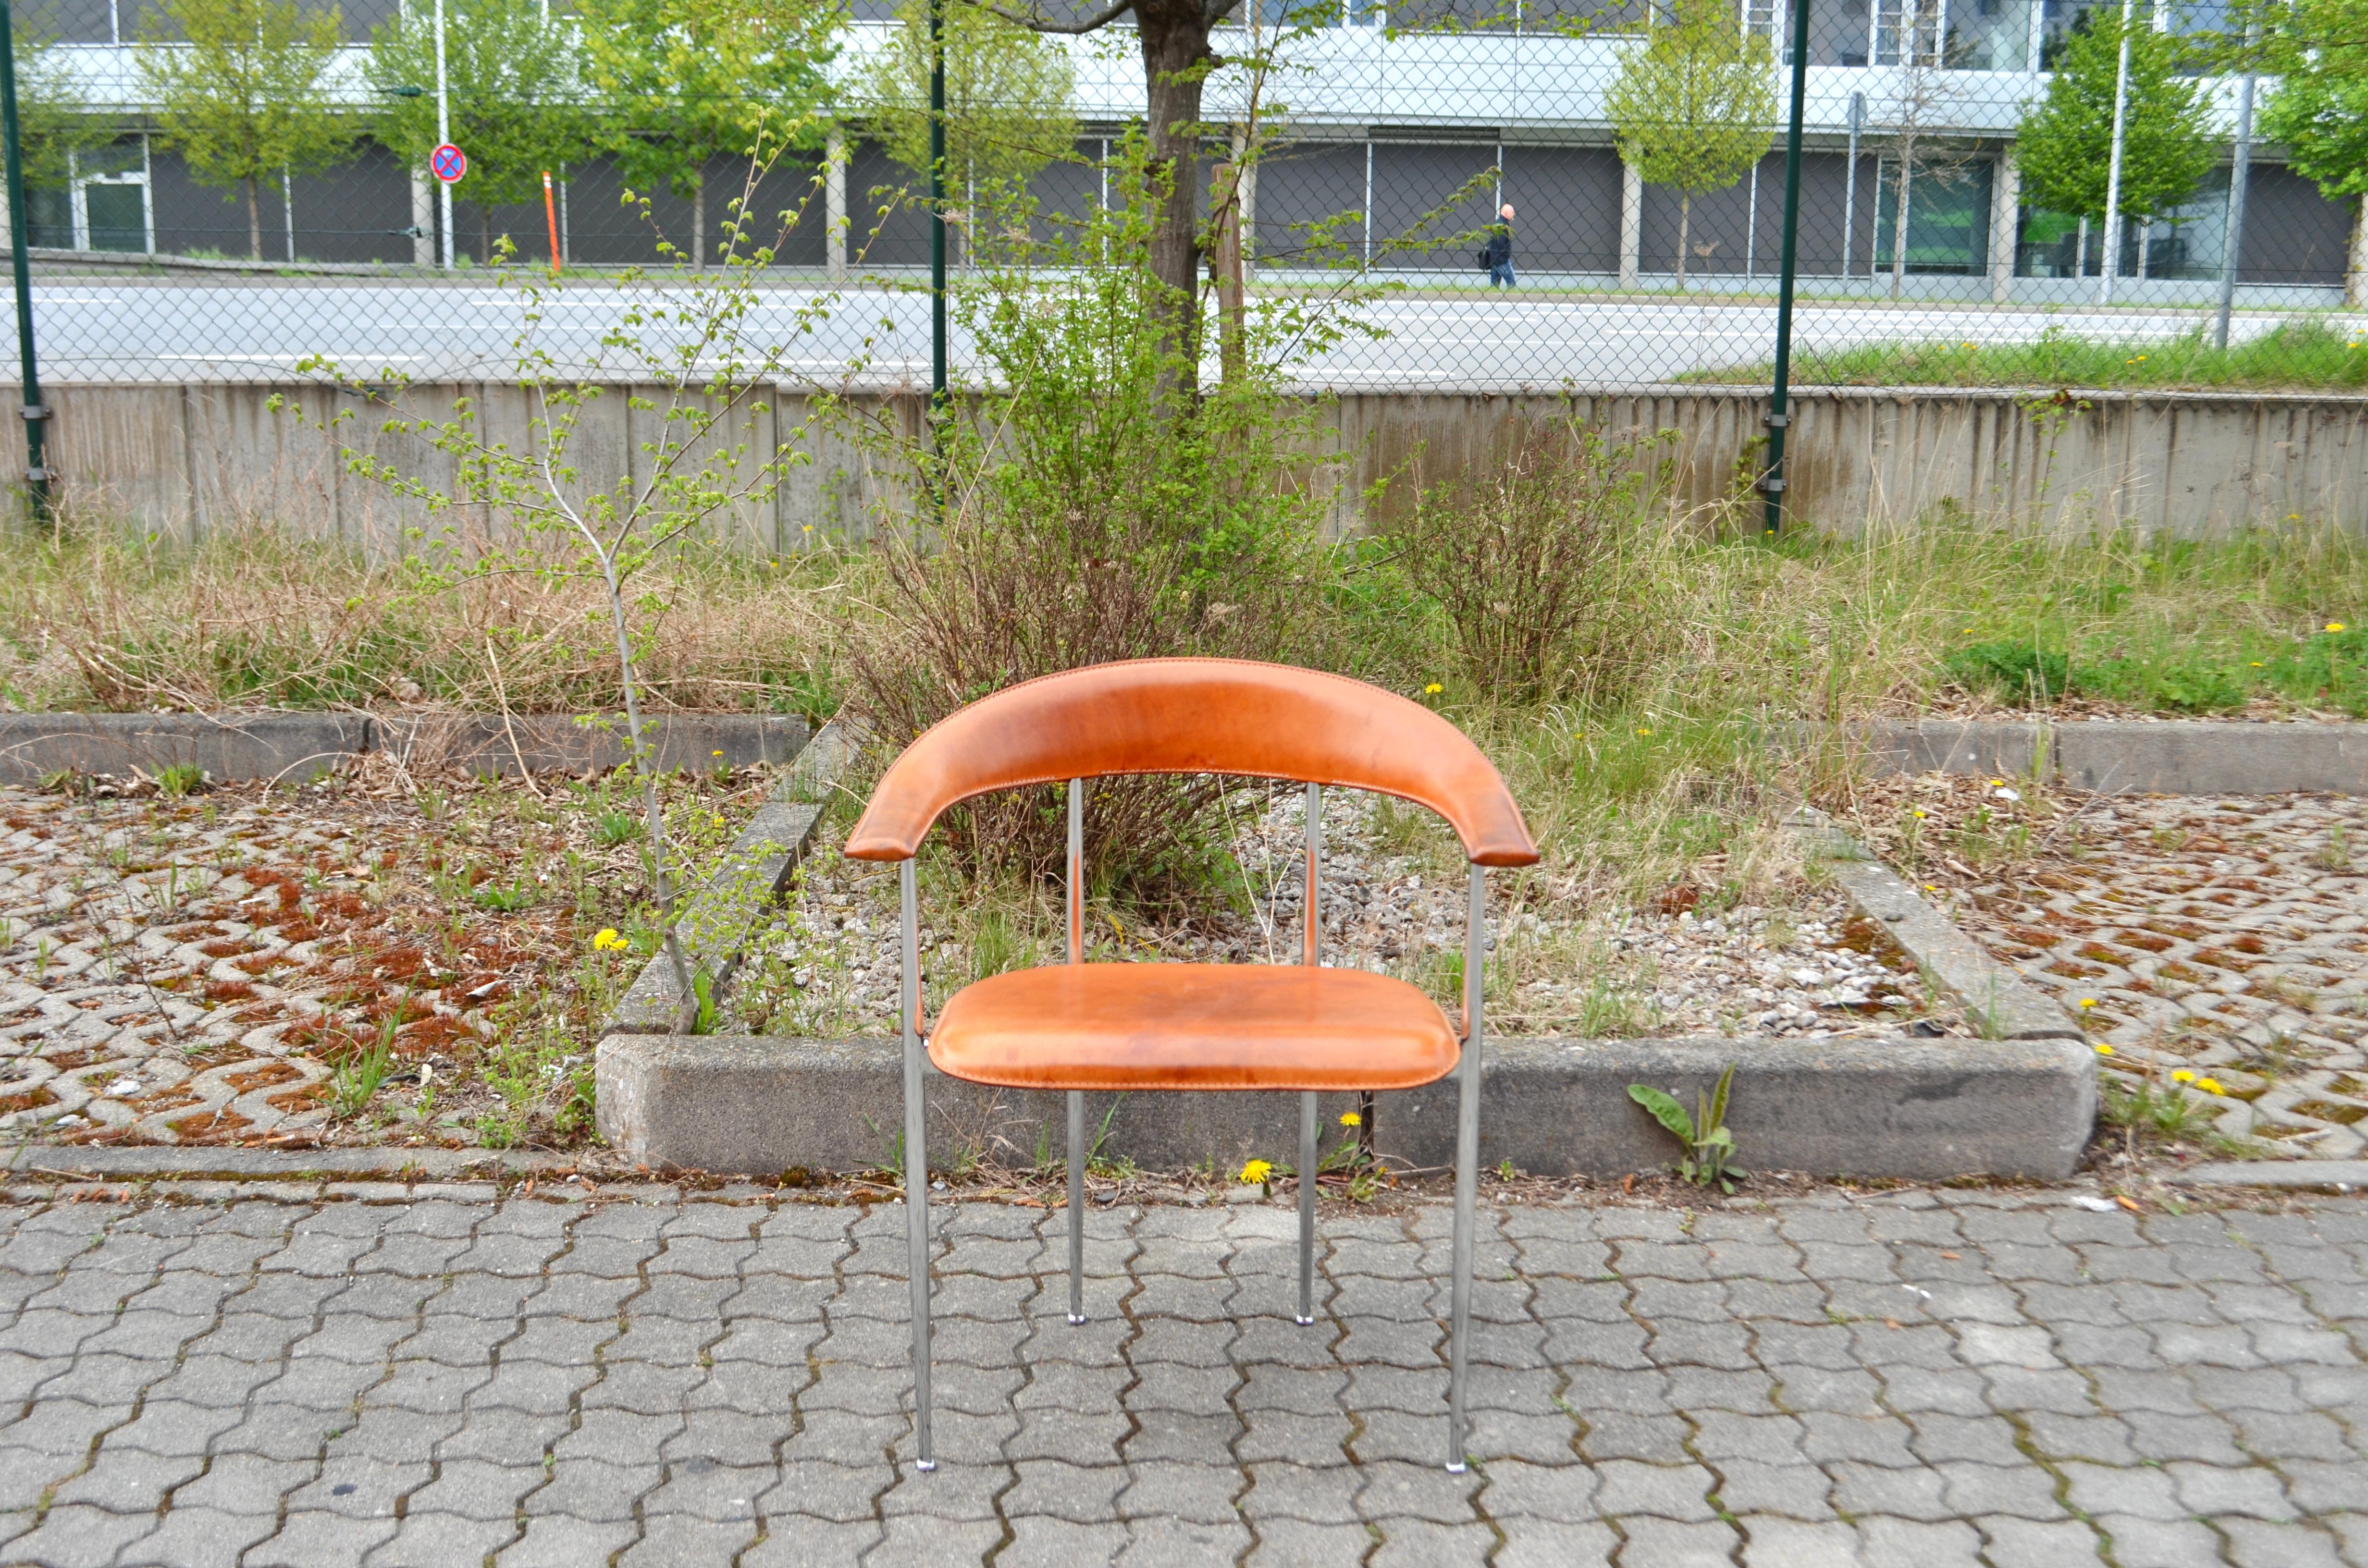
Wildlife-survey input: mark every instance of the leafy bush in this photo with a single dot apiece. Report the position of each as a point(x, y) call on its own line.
point(1542, 568)
point(2009, 670)
point(1094, 508)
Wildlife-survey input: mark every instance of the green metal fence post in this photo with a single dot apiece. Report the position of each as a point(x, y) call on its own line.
point(37, 413)
point(1779, 417)
point(937, 247)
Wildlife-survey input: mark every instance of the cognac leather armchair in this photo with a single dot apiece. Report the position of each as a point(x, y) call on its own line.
point(1077, 1027)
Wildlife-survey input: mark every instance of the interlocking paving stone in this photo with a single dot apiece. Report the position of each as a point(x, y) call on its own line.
point(2134, 1389)
point(2221, 936)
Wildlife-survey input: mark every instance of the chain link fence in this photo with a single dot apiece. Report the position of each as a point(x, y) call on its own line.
point(1552, 198)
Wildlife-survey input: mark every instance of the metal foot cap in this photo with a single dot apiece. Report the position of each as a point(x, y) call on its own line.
point(1456, 1467)
point(1303, 1322)
point(1076, 1317)
point(925, 1466)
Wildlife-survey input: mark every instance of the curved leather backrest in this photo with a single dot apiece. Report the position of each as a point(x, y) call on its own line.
point(1196, 716)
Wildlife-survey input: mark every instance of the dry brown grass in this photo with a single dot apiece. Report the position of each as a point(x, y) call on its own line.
point(250, 618)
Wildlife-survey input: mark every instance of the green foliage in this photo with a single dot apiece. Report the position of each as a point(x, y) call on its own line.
point(2296, 354)
point(685, 82)
point(2010, 670)
point(2320, 108)
point(55, 122)
point(355, 1081)
point(1094, 509)
point(1708, 1143)
point(1009, 98)
point(517, 101)
point(178, 779)
point(2063, 145)
point(243, 89)
point(1695, 104)
point(1538, 565)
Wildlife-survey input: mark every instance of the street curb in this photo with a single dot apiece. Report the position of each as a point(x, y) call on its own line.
point(1992, 996)
point(276, 746)
point(1900, 1108)
point(2333, 1175)
point(2130, 755)
point(763, 857)
point(183, 1162)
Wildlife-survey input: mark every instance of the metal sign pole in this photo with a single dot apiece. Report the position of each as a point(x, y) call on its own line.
point(2232, 236)
point(1777, 415)
point(37, 414)
point(443, 136)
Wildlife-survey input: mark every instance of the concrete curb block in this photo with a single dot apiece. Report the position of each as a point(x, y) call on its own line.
point(1990, 993)
point(231, 746)
point(767, 852)
point(189, 1163)
point(489, 744)
point(2132, 755)
point(1914, 1109)
point(2333, 1175)
point(226, 745)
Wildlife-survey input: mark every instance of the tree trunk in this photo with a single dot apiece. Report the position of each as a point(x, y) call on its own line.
point(1899, 226)
point(254, 220)
point(1685, 215)
point(1175, 39)
point(698, 223)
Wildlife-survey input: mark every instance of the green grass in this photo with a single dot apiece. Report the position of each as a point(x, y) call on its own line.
point(2298, 356)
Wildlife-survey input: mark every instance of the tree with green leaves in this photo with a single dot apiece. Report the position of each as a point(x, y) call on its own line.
point(2064, 144)
point(241, 89)
point(2319, 48)
point(517, 102)
point(1009, 97)
point(55, 122)
point(685, 82)
point(1694, 106)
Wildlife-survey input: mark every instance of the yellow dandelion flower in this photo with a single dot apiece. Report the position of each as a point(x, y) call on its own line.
point(1917, 814)
point(1350, 1118)
point(606, 939)
point(2256, 664)
point(2210, 1086)
point(1643, 732)
point(2184, 1076)
point(1256, 1170)
point(2104, 1050)
point(716, 753)
point(1433, 690)
point(2088, 1001)
point(2335, 625)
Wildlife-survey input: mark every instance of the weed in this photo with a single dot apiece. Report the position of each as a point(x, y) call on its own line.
point(179, 780)
point(2336, 853)
point(355, 1081)
point(612, 828)
point(1707, 1140)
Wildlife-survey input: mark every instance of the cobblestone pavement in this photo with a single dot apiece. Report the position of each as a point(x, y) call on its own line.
point(190, 970)
point(2223, 936)
point(435, 1377)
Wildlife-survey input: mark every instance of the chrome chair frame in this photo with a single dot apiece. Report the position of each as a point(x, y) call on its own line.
point(1467, 1127)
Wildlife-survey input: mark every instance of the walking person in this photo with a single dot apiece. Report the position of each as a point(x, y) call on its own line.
point(1498, 257)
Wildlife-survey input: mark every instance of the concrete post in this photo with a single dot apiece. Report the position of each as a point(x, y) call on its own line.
point(834, 203)
point(1632, 224)
point(2006, 201)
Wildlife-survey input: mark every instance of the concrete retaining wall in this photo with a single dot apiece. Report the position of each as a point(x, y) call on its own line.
point(2134, 756)
point(183, 459)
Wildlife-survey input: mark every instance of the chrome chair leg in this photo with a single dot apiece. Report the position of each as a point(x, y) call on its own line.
point(1307, 1207)
point(916, 1182)
point(1467, 1171)
point(1077, 1205)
